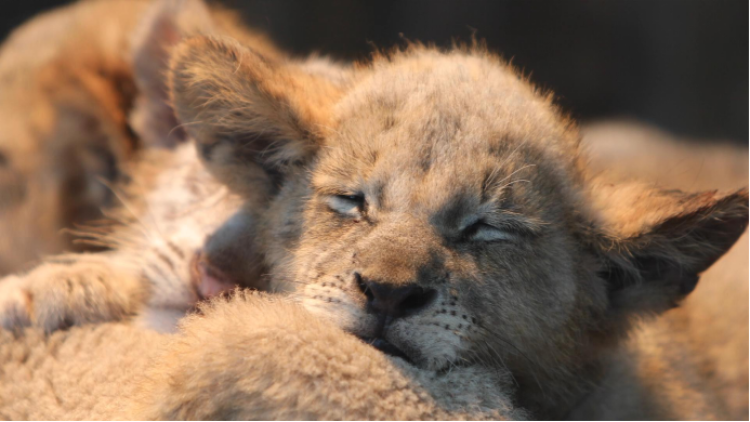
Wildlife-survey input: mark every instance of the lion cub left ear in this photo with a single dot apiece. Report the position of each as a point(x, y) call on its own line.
point(659, 242)
point(249, 113)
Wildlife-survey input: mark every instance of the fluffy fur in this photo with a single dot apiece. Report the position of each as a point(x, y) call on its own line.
point(709, 330)
point(83, 92)
point(253, 357)
point(435, 205)
point(446, 174)
point(170, 208)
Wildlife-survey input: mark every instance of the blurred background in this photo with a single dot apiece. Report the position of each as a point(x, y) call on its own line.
point(680, 65)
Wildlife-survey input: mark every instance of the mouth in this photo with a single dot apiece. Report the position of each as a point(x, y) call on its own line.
point(386, 347)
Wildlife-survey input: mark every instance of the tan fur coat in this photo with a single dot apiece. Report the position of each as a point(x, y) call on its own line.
point(253, 357)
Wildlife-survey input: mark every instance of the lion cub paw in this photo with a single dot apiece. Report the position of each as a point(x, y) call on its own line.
point(55, 296)
point(15, 304)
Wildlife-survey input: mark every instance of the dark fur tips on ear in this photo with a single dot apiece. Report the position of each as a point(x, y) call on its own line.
point(708, 228)
point(654, 270)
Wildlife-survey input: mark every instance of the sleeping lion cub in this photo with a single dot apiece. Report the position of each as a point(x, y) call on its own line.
point(435, 205)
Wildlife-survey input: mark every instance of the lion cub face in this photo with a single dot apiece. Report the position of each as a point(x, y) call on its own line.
point(431, 223)
point(434, 205)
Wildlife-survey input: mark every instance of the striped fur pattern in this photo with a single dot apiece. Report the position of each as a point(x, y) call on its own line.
point(167, 213)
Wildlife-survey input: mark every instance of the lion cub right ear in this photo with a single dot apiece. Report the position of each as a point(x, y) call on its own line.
point(252, 118)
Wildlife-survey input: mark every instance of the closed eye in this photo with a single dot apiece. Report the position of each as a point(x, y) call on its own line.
point(352, 205)
point(480, 231)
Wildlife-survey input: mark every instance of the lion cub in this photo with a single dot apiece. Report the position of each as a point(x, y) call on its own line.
point(82, 93)
point(66, 86)
point(438, 207)
point(435, 205)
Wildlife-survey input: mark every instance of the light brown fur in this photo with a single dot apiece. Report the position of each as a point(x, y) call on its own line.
point(83, 91)
point(219, 367)
point(379, 184)
point(168, 207)
point(446, 171)
point(711, 325)
point(66, 86)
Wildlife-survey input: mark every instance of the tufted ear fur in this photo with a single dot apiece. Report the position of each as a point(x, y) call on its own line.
point(655, 244)
point(164, 25)
point(252, 117)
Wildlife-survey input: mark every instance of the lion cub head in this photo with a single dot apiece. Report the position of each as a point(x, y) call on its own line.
point(435, 205)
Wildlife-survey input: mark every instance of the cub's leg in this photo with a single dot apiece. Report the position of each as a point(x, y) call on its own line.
point(156, 280)
point(71, 290)
point(153, 286)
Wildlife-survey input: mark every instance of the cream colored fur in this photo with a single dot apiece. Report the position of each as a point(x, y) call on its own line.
point(254, 357)
point(447, 172)
point(170, 208)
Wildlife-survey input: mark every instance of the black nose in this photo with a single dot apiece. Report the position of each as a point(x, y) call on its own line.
point(395, 301)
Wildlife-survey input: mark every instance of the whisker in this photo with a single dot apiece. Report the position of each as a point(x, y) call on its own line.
point(127, 206)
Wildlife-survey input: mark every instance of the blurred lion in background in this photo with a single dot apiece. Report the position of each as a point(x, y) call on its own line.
point(67, 85)
point(82, 93)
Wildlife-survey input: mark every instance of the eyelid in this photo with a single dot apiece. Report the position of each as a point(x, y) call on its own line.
point(488, 233)
point(509, 225)
point(348, 204)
